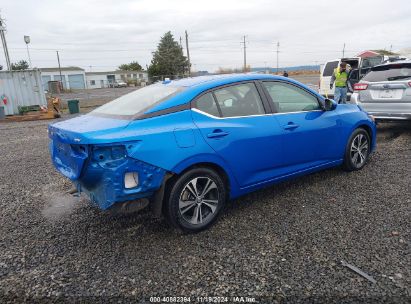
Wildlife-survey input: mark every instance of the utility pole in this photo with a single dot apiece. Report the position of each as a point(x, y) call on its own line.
point(27, 41)
point(188, 56)
point(61, 77)
point(181, 43)
point(278, 51)
point(343, 50)
point(245, 54)
point(3, 40)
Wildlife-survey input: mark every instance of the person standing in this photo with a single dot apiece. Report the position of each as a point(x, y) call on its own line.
point(340, 78)
point(285, 74)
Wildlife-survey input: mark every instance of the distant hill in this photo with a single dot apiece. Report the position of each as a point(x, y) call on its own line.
point(288, 69)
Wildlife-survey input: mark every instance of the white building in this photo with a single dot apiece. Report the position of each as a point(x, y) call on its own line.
point(97, 80)
point(71, 77)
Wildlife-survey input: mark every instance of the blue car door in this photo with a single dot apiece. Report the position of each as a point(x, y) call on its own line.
point(310, 134)
point(233, 121)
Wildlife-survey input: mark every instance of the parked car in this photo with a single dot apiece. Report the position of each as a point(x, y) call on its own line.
point(385, 92)
point(359, 66)
point(120, 84)
point(117, 84)
point(185, 147)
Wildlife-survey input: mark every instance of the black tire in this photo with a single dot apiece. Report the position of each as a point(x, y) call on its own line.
point(182, 213)
point(357, 150)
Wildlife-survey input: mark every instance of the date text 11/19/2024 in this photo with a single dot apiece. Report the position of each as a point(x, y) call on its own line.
point(204, 299)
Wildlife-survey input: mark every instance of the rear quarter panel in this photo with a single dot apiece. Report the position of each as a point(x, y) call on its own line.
point(172, 142)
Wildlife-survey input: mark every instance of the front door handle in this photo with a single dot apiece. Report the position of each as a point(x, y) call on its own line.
point(291, 126)
point(217, 134)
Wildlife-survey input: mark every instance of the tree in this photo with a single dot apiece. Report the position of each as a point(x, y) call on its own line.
point(132, 66)
point(20, 66)
point(168, 60)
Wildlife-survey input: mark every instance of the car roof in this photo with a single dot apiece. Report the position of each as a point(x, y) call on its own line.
point(193, 86)
point(397, 62)
point(221, 78)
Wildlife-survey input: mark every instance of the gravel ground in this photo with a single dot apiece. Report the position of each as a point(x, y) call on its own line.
point(284, 243)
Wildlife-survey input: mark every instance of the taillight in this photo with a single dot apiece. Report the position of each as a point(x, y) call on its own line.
point(360, 86)
point(409, 83)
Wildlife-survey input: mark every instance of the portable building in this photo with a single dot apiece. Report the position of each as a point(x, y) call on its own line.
point(20, 88)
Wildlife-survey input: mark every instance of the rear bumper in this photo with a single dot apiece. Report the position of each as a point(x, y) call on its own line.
point(105, 185)
point(99, 171)
point(390, 116)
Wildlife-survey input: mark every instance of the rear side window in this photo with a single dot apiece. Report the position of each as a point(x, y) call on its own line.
point(239, 100)
point(289, 98)
point(206, 103)
point(329, 68)
point(389, 73)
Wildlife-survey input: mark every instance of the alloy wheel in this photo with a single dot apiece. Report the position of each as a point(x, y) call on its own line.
point(359, 150)
point(199, 200)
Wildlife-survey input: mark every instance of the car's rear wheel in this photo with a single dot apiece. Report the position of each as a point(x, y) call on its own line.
point(195, 200)
point(357, 150)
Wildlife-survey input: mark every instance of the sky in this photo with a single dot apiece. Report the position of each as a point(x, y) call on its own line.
point(101, 35)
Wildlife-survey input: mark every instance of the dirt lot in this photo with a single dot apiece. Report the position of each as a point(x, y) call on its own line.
point(284, 243)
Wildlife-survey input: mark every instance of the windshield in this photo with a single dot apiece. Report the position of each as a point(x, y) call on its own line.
point(138, 101)
point(389, 73)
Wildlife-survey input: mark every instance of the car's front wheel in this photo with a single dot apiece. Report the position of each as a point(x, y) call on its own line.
point(357, 150)
point(195, 200)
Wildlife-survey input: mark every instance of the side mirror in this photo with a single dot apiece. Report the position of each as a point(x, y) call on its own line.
point(329, 104)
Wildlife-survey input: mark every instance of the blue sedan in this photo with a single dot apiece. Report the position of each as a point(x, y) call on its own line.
point(184, 147)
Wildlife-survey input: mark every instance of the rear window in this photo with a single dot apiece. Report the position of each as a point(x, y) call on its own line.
point(138, 101)
point(389, 73)
point(329, 68)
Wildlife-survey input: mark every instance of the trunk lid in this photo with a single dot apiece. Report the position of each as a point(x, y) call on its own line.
point(70, 141)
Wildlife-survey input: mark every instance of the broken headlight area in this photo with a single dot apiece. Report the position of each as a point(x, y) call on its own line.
point(110, 176)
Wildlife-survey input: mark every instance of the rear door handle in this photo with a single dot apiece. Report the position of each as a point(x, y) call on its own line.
point(217, 134)
point(291, 126)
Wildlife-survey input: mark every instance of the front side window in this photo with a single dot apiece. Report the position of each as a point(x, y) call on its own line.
point(138, 101)
point(239, 100)
point(289, 98)
point(207, 104)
